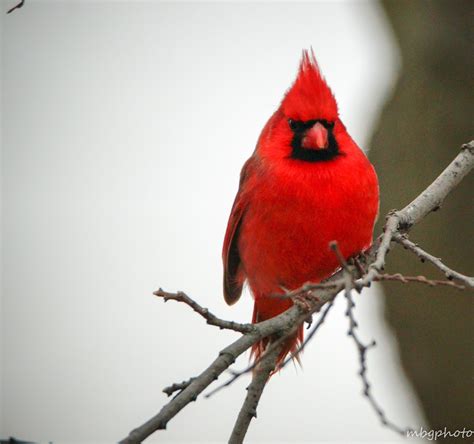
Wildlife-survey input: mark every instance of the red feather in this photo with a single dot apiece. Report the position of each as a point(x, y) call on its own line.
point(288, 208)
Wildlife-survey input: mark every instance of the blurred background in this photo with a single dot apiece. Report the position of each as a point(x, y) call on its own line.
point(124, 128)
point(420, 130)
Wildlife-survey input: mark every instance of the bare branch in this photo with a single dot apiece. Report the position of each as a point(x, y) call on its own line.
point(334, 246)
point(316, 296)
point(254, 392)
point(204, 312)
point(275, 344)
point(308, 288)
point(287, 321)
point(225, 359)
point(436, 261)
point(398, 277)
point(433, 197)
point(349, 284)
point(429, 200)
point(362, 351)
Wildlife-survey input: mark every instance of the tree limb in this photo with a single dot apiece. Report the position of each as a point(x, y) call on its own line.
point(317, 295)
point(254, 392)
point(294, 316)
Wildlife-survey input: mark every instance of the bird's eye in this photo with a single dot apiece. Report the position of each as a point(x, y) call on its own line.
point(293, 124)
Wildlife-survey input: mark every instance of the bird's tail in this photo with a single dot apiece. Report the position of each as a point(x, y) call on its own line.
point(267, 308)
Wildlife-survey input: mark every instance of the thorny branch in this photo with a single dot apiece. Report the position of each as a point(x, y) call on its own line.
point(398, 224)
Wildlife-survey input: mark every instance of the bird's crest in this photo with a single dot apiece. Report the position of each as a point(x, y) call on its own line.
point(309, 97)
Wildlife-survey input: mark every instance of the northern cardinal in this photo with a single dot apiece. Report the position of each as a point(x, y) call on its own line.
point(306, 184)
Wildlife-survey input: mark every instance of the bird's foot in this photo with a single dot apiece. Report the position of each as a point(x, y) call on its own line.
point(305, 300)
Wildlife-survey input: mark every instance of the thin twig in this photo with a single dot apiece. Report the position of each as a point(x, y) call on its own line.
point(398, 277)
point(362, 352)
point(436, 261)
point(308, 288)
point(210, 318)
point(349, 284)
point(382, 249)
point(358, 265)
point(334, 246)
point(17, 6)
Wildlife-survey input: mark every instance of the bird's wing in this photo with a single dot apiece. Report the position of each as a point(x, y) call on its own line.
point(234, 275)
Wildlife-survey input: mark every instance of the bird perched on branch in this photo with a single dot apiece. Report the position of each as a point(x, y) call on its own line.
point(306, 184)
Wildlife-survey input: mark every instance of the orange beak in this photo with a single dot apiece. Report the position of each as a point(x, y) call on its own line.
point(316, 138)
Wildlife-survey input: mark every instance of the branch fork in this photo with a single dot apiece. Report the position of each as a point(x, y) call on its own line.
point(366, 269)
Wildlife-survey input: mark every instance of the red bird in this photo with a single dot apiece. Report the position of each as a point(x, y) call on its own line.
point(306, 184)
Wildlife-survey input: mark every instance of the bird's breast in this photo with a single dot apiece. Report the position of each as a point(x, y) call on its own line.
point(294, 214)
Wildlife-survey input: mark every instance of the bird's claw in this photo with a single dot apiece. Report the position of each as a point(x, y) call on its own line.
point(304, 300)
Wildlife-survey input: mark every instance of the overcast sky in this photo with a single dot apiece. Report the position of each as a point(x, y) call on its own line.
point(125, 126)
